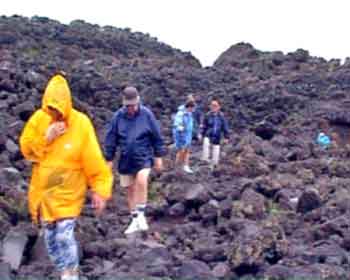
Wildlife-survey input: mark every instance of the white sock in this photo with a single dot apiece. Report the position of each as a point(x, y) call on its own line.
point(140, 208)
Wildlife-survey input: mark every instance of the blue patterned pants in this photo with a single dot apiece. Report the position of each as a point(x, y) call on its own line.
point(61, 244)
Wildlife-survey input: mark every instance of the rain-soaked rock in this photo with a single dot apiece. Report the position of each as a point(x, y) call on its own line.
point(24, 110)
point(256, 245)
point(308, 201)
point(15, 128)
point(11, 176)
point(13, 247)
point(177, 210)
point(174, 192)
point(208, 251)
point(12, 147)
point(197, 195)
point(194, 269)
point(5, 223)
point(210, 212)
point(252, 205)
point(15, 206)
point(221, 271)
point(279, 272)
point(2, 143)
point(5, 271)
point(249, 164)
point(265, 130)
point(39, 250)
point(327, 253)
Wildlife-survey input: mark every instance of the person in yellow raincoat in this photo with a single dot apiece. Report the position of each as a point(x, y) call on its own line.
point(61, 143)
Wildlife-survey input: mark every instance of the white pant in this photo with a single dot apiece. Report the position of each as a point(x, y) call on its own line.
point(206, 152)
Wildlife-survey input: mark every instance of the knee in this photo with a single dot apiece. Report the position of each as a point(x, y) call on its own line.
point(131, 189)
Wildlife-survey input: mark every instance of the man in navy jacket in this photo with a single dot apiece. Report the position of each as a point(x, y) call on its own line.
point(136, 132)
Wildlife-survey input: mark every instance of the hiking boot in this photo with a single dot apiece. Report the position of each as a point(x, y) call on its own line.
point(142, 222)
point(187, 169)
point(133, 227)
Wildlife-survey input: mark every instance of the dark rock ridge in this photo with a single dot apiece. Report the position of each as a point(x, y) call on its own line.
point(276, 208)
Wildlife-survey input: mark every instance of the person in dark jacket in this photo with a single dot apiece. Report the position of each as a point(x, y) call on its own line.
point(136, 132)
point(214, 127)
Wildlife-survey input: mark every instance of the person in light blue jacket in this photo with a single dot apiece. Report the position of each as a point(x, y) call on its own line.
point(182, 134)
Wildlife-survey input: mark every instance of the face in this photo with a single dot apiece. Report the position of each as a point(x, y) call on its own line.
point(215, 106)
point(190, 109)
point(55, 114)
point(132, 109)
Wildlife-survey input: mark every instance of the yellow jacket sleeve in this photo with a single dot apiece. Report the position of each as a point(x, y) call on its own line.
point(98, 173)
point(32, 141)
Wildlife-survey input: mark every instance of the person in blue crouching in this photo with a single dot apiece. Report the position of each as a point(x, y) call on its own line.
point(323, 140)
point(136, 132)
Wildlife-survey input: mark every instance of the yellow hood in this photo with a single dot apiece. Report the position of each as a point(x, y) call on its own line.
point(57, 95)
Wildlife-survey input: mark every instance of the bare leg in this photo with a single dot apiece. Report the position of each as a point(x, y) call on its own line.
point(187, 157)
point(131, 197)
point(141, 186)
point(180, 157)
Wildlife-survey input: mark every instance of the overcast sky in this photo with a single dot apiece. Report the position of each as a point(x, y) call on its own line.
point(207, 28)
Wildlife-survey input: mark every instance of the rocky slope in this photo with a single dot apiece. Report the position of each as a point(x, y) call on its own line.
point(277, 208)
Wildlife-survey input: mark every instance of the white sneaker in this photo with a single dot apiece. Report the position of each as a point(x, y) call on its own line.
point(142, 222)
point(187, 169)
point(70, 277)
point(133, 227)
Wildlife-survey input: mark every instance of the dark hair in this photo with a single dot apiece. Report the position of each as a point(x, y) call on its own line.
point(130, 93)
point(189, 104)
point(323, 124)
point(216, 99)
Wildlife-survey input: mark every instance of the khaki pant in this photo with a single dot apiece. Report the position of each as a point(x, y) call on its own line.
point(206, 152)
point(128, 180)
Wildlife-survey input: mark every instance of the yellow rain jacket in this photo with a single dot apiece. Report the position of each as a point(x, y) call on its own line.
point(64, 168)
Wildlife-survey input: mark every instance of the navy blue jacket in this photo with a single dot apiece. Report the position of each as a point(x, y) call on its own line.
point(138, 138)
point(214, 126)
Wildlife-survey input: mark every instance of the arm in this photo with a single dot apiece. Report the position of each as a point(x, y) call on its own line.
point(157, 139)
point(33, 142)
point(98, 173)
point(198, 116)
point(111, 140)
point(225, 128)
